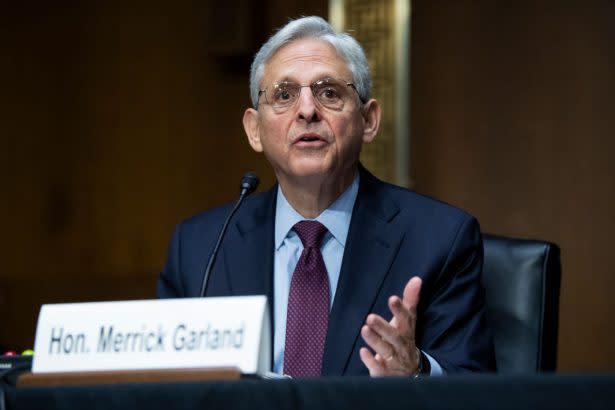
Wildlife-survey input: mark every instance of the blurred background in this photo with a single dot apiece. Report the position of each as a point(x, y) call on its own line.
point(120, 119)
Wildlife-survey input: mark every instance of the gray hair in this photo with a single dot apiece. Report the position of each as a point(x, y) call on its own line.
point(313, 27)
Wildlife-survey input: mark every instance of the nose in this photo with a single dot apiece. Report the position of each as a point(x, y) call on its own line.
point(306, 106)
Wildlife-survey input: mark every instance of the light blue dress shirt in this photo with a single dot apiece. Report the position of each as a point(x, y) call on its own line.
point(288, 248)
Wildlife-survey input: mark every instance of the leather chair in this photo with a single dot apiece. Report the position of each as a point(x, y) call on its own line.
point(522, 283)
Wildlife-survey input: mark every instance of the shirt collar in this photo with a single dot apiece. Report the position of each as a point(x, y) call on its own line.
point(336, 218)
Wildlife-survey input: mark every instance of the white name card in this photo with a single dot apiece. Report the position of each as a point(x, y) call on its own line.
point(154, 334)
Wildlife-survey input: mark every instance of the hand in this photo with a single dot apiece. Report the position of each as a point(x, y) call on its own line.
point(394, 341)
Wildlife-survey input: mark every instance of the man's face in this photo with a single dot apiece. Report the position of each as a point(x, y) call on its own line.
point(307, 139)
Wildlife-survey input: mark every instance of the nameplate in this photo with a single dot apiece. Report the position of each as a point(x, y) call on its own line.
point(154, 334)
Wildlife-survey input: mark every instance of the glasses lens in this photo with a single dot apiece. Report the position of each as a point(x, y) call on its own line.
point(331, 93)
point(283, 95)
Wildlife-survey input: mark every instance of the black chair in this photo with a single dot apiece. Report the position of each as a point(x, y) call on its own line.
point(522, 283)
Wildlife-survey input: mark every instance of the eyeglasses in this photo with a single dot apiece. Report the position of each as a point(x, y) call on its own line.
point(330, 93)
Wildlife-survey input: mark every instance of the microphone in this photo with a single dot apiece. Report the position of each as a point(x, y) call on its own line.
point(248, 184)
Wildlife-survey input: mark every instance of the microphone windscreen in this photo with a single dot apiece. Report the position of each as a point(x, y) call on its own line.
point(249, 183)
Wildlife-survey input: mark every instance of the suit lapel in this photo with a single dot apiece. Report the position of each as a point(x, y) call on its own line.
point(249, 255)
point(372, 243)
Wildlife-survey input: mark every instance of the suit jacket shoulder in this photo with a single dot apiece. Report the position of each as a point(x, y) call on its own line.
point(240, 254)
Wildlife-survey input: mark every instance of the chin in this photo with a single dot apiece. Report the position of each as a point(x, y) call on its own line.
point(307, 170)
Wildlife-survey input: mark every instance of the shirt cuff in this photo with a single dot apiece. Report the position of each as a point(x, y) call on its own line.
point(436, 369)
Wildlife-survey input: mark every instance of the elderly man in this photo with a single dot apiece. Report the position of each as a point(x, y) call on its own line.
point(364, 277)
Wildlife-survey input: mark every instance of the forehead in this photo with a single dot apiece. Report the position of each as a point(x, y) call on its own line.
point(305, 60)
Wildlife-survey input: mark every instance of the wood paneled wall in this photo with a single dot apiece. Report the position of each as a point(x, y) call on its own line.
point(118, 120)
point(512, 119)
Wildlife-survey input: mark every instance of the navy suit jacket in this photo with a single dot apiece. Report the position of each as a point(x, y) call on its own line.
point(394, 234)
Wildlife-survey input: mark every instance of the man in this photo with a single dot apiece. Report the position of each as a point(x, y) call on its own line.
point(342, 256)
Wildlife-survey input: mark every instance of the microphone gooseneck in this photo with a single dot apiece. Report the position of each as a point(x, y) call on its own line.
point(248, 184)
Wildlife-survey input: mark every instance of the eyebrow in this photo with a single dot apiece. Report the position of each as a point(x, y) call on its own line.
point(289, 79)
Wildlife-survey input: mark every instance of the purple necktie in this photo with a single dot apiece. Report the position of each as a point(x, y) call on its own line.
point(308, 305)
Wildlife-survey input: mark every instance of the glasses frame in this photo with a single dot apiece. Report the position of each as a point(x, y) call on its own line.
point(310, 86)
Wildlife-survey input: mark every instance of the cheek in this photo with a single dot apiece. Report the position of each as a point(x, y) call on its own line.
point(275, 129)
point(348, 131)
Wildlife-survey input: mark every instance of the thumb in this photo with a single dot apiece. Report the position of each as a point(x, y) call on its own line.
point(411, 293)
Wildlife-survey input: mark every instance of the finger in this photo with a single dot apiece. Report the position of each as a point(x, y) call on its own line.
point(401, 313)
point(403, 319)
point(411, 293)
point(385, 330)
point(374, 367)
point(410, 302)
point(376, 342)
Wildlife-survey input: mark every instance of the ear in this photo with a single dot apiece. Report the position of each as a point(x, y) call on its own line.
point(250, 126)
point(371, 117)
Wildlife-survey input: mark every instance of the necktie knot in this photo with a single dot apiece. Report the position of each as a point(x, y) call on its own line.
point(310, 233)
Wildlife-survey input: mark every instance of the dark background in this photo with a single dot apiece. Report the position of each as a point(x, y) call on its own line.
point(119, 119)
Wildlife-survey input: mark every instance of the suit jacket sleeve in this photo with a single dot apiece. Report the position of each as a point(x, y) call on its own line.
point(451, 324)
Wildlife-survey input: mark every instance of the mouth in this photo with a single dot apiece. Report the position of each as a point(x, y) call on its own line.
point(309, 138)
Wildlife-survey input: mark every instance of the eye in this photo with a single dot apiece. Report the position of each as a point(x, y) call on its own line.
point(328, 93)
point(283, 93)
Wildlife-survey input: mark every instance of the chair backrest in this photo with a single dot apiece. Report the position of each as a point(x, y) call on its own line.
point(522, 283)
